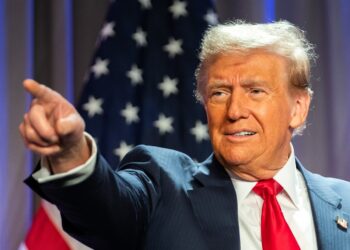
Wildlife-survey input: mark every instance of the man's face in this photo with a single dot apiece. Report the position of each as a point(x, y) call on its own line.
point(251, 112)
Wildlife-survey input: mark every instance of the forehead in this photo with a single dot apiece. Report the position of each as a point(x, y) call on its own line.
point(254, 65)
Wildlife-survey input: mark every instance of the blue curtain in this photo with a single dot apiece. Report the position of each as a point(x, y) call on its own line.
point(16, 62)
point(70, 32)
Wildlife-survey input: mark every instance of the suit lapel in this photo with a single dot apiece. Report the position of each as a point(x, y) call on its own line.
point(326, 207)
point(212, 195)
point(214, 203)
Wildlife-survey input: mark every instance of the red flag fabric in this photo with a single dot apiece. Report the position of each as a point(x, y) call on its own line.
point(43, 233)
point(46, 232)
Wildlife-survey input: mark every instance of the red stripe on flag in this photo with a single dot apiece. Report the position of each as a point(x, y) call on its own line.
point(44, 235)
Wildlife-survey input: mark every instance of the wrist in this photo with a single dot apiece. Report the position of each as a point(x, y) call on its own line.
point(70, 158)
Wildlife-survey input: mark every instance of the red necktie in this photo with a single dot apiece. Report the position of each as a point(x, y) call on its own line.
point(275, 232)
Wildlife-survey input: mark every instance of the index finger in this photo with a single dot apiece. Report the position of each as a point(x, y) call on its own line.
point(39, 91)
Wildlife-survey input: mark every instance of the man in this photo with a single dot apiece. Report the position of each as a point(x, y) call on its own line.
point(252, 193)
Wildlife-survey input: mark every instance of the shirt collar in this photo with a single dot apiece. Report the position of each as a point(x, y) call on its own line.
point(286, 177)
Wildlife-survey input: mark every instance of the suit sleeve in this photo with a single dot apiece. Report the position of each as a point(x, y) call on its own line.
point(72, 176)
point(109, 209)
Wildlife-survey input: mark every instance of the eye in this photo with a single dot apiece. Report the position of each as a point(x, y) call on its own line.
point(257, 91)
point(218, 96)
point(217, 93)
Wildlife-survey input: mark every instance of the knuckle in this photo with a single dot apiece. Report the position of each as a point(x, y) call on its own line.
point(31, 134)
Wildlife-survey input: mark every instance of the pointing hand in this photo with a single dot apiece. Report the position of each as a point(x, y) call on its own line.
point(53, 128)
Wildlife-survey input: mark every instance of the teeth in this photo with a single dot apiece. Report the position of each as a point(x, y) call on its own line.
point(244, 133)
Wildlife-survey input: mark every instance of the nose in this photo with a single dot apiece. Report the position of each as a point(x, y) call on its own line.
point(237, 107)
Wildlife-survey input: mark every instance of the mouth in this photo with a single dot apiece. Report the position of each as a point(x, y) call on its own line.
point(240, 135)
point(244, 133)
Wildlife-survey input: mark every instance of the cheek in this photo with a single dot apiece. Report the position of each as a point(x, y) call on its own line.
point(276, 111)
point(276, 122)
point(215, 117)
point(273, 121)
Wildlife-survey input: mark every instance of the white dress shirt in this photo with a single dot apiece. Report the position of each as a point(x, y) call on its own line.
point(294, 201)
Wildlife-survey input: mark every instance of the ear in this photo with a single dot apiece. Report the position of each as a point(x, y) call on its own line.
point(300, 110)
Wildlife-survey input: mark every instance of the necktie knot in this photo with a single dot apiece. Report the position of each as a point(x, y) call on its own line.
point(266, 188)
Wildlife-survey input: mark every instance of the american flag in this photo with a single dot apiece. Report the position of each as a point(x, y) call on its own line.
point(140, 87)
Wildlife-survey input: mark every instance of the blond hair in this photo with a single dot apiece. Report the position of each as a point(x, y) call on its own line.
point(281, 38)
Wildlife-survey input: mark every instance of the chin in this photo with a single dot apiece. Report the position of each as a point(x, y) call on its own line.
point(233, 159)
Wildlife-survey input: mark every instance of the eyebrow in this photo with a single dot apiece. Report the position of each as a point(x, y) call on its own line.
point(254, 82)
point(218, 84)
point(245, 83)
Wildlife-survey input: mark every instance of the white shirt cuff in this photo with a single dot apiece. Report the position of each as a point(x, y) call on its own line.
point(75, 175)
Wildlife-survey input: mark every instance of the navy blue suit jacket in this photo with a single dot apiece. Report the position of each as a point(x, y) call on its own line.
point(160, 199)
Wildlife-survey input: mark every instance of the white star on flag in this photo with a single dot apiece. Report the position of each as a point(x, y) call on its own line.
point(93, 106)
point(130, 113)
point(145, 4)
point(173, 47)
point(164, 124)
point(140, 37)
point(168, 86)
point(178, 9)
point(211, 17)
point(123, 149)
point(100, 67)
point(107, 30)
point(135, 75)
point(200, 131)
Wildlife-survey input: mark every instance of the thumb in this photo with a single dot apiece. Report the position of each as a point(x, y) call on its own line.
point(71, 126)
